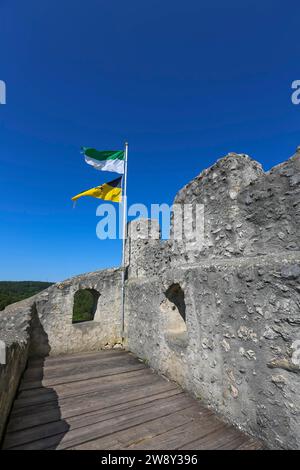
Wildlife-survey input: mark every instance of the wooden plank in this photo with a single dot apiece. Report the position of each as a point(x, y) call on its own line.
point(106, 392)
point(233, 442)
point(43, 394)
point(178, 436)
point(70, 363)
point(145, 431)
point(43, 371)
point(48, 413)
point(34, 378)
point(110, 400)
point(213, 440)
point(74, 404)
point(129, 423)
point(104, 380)
point(69, 437)
point(89, 419)
point(250, 444)
point(80, 377)
point(63, 360)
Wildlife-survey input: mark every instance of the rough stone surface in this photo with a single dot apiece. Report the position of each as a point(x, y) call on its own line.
point(55, 310)
point(242, 296)
point(14, 328)
point(229, 336)
point(42, 326)
point(241, 325)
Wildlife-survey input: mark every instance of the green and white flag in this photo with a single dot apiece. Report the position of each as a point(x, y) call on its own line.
point(105, 160)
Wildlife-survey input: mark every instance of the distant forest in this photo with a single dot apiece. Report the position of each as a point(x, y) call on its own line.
point(85, 304)
point(13, 291)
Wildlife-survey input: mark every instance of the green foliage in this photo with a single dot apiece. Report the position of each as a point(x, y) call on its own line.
point(85, 302)
point(13, 291)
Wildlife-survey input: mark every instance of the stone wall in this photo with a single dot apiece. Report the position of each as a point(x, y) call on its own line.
point(55, 309)
point(42, 326)
point(248, 212)
point(14, 333)
point(222, 319)
point(242, 319)
point(242, 298)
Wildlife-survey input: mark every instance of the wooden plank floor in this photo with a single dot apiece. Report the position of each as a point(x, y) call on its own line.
point(110, 400)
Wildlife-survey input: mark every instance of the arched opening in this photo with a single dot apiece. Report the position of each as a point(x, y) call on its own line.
point(174, 310)
point(85, 305)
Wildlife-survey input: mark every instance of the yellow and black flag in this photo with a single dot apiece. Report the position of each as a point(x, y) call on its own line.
point(111, 191)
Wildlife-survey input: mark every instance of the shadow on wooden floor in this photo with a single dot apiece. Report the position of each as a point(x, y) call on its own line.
point(35, 405)
point(109, 400)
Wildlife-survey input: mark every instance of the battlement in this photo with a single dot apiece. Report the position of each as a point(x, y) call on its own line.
point(222, 319)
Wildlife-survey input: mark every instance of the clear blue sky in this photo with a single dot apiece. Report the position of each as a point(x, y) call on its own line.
point(185, 82)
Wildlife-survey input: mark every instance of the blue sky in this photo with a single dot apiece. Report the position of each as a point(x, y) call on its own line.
point(185, 82)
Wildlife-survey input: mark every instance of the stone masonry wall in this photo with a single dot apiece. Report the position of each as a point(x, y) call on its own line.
point(55, 308)
point(242, 296)
point(14, 333)
point(247, 212)
point(242, 319)
point(42, 326)
point(222, 319)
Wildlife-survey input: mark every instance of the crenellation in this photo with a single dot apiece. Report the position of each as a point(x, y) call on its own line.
point(222, 319)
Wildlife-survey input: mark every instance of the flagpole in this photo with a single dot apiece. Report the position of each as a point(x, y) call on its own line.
point(124, 196)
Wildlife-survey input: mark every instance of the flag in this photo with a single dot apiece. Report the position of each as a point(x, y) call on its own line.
point(111, 191)
point(105, 160)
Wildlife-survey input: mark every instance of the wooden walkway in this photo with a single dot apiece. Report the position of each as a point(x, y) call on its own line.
point(110, 400)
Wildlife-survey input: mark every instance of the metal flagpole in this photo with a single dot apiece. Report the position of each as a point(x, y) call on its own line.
point(124, 198)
